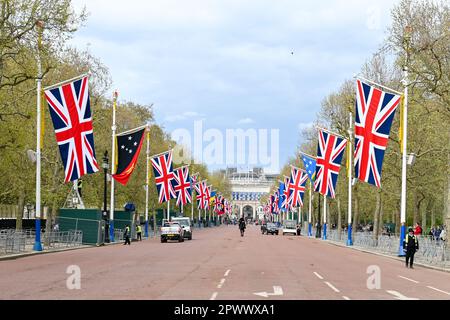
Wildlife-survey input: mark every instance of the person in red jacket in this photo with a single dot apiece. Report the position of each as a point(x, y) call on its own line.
point(417, 230)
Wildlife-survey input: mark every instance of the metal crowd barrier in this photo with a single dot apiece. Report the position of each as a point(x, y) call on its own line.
point(12, 241)
point(431, 251)
point(62, 239)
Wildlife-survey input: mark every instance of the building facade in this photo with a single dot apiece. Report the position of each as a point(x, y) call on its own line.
point(247, 189)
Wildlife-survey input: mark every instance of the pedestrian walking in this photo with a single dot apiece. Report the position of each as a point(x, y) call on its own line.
point(139, 232)
point(437, 234)
point(431, 233)
point(242, 226)
point(410, 246)
point(126, 235)
point(417, 229)
point(443, 234)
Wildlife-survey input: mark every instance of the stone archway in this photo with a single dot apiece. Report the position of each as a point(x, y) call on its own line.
point(248, 212)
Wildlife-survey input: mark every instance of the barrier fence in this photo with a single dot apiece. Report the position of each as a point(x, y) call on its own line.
point(431, 251)
point(13, 241)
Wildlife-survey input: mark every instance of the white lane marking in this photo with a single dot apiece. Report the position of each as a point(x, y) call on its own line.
point(438, 290)
point(222, 281)
point(214, 296)
point(227, 273)
point(399, 296)
point(346, 298)
point(409, 279)
point(318, 276)
point(277, 291)
point(331, 286)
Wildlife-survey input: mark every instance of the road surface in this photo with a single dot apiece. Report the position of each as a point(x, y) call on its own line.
point(218, 264)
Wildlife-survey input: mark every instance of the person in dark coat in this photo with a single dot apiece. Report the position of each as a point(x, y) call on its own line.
point(242, 226)
point(126, 235)
point(410, 246)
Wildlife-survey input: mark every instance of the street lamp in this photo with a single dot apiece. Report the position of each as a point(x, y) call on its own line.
point(105, 166)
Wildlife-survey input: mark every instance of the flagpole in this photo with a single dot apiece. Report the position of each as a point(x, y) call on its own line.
point(192, 204)
point(404, 143)
point(37, 240)
point(66, 81)
point(113, 167)
point(377, 84)
point(349, 173)
point(324, 217)
point(168, 210)
point(309, 213)
point(146, 184)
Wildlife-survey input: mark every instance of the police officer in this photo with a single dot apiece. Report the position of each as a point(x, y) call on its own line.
point(139, 232)
point(126, 235)
point(410, 246)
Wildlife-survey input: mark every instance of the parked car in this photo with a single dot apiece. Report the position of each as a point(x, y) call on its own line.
point(185, 223)
point(271, 228)
point(290, 227)
point(172, 231)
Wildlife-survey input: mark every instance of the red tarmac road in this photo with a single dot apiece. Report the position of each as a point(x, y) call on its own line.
point(219, 264)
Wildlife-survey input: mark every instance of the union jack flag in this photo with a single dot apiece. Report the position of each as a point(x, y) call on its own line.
point(207, 196)
point(162, 168)
point(375, 110)
point(200, 189)
point(182, 185)
point(194, 180)
point(285, 204)
point(70, 110)
point(275, 200)
point(297, 186)
point(330, 150)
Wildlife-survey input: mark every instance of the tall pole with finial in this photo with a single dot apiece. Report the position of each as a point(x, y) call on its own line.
point(403, 141)
point(113, 167)
point(37, 241)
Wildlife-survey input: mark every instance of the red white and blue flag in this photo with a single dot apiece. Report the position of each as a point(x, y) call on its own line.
point(297, 186)
point(207, 199)
point(330, 150)
point(70, 110)
point(162, 168)
point(286, 201)
point(182, 185)
point(200, 188)
point(275, 200)
point(375, 110)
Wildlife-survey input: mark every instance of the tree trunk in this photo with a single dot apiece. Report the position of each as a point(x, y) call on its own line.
point(381, 223)
point(424, 220)
point(355, 218)
point(446, 213)
point(339, 223)
point(376, 215)
point(20, 205)
point(433, 218)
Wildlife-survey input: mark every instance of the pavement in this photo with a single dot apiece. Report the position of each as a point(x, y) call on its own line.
point(219, 264)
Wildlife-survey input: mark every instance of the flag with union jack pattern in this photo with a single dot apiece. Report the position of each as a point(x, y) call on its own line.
point(330, 150)
point(200, 189)
point(162, 168)
point(375, 110)
point(70, 110)
point(297, 186)
point(182, 185)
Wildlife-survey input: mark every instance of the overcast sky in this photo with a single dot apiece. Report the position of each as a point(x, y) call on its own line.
point(236, 64)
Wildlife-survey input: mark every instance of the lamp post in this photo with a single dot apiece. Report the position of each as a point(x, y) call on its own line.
point(105, 166)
